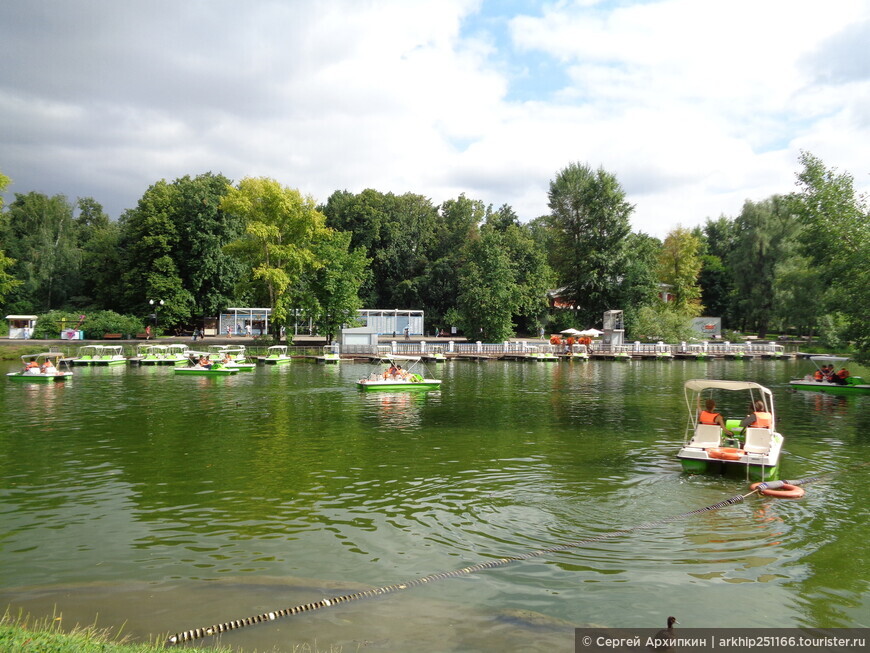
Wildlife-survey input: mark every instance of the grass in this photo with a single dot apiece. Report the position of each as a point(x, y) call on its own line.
point(21, 633)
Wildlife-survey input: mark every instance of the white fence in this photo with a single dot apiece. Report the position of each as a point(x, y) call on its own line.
point(526, 347)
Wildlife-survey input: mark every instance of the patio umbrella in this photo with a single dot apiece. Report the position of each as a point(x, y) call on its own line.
point(591, 332)
point(571, 332)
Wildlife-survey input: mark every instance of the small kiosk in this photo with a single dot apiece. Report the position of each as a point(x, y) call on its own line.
point(614, 332)
point(21, 326)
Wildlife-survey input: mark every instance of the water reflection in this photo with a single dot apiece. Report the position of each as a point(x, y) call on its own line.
point(396, 410)
point(169, 502)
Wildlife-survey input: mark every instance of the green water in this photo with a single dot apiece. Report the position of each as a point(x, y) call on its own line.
point(132, 496)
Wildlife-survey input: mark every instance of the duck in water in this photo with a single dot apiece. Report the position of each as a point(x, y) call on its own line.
point(665, 637)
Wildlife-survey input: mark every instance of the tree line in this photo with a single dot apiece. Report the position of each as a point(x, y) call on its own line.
point(789, 263)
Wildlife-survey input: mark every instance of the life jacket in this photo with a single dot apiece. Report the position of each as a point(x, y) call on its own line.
point(843, 374)
point(707, 417)
point(818, 376)
point(762, 420)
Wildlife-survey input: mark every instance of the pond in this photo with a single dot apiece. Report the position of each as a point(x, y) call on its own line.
point(133, 497)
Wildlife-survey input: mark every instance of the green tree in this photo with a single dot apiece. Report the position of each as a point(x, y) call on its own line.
point(206, 270)
point(836, 238)
point(764, 232)
point(718, 242)
point(679, 268)
point(149, 242)
point(590, 224)
point(661, 322)
point(397, 233)
point(281, 229)
point(330, 292)
point(98, 240)
point(532, 275)
point(640, 283)
point(41, 237)
point(800, 294)
point(7, 282)
point(488, 293)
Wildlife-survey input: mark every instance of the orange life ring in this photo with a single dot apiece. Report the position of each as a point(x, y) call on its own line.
point(725, 453)
point(787, 491)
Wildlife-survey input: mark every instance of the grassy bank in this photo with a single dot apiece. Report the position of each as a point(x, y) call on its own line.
point(20, 633)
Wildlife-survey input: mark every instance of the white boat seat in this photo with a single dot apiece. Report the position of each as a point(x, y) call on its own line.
point(706, 436)
point(757, 440)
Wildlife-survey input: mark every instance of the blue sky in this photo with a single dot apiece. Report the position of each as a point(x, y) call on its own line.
point(695, 107)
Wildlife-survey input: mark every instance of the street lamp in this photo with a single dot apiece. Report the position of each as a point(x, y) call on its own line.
point(155, 303)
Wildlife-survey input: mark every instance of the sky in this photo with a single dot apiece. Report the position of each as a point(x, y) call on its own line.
point(694, 106)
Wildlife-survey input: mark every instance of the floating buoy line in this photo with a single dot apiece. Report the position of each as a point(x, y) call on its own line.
point(770, 488)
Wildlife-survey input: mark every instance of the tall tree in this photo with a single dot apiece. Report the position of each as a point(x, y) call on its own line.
point(764, 231)
point(330, 293)
point(837, 239)
point(41, 237)
point(640, 283)
point(532, 275)
point(718, 240)
point(488, 294)
point(98, 239)
point(149, 242)
point(281, 228)
point(679, 267)
point(7, 282)
point(590, 223)
point(206, 270)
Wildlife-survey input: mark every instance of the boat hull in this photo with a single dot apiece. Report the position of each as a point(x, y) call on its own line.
point(831, 388)
point(38, 378)
point(425, 384)
point(202, 371)
point(731, 467)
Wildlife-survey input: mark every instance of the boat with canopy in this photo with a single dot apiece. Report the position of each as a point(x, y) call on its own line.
point(388, 374)
point(276, 355)
point(752, 450)
point(47, 367)
point(822, 382)
point(200, 363)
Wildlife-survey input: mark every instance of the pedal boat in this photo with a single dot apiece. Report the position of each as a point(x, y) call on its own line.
point(276, 355)
point(754, 453)
point(195, 368)
point(378, 379)
point(32, 368)
point(854, 384)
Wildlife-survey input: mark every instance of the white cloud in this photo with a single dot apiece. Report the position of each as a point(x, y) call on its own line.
point(694, 109)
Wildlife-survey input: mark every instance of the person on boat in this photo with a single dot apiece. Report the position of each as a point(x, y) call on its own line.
point(710, 416)
point(205, 363)
point(841, 376)
point(31, 367)
point(391, 373)
point(758, 418)
point(49, 368)
point(818, 375)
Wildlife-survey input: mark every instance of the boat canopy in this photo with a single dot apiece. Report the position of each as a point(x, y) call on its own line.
point(46, 354)
point(829, 359)
point(699, 385)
